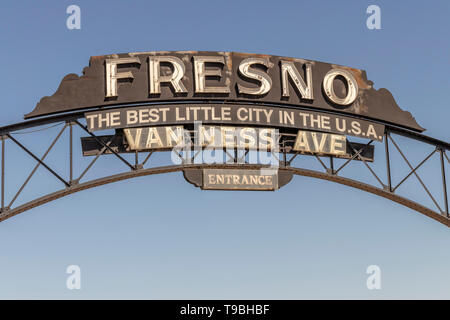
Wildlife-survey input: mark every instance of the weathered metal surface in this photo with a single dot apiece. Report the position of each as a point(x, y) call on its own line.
point(121, 79)
point(91, 147)
point(263, 179)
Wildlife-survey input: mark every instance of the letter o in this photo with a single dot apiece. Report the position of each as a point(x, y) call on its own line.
point(352, 87)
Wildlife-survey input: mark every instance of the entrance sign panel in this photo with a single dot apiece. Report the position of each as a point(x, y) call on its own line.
point(235, 179)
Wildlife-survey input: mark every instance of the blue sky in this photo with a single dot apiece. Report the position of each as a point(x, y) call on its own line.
point(158, 237)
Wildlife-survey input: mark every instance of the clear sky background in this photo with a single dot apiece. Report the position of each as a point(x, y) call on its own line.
point(158, 237)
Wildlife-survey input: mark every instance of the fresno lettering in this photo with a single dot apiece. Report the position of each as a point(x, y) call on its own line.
point(253, 70)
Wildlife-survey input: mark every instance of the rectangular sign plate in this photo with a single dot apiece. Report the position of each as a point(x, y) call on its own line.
point(240, 179)
point(223, 137)
point(237, 115)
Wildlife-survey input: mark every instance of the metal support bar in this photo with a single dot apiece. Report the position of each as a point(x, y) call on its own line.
point(292, 158)
point(38, 160)
point(367, 166)
point(321, 162)
point(332, 164)
point(36, 167)
point(354, 156)
point(94, 160)
point(277, 158)
point(107, 147)
point(231, 157)
point(444, 184)
point(148, 157)
point(414, 170)
point(243, 157)
point(71, 151)
point(415, 173)
point(196, 154)
point(183, 161)
point(388, 162)
point(3, 172)
point(445, 154)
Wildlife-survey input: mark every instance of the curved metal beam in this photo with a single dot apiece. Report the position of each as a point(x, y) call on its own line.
point(175, 168)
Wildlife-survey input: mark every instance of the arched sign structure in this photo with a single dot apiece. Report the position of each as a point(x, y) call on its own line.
point(191, 102)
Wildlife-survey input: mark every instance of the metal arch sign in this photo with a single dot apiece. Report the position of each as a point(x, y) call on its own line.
point(224, 77)
point(247, 104)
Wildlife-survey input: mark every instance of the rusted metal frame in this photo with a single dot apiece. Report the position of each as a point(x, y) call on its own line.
point(321, 162)
point(243, 157)
point(39, 122)
point(413, 137)
point(71, 151)
point(272, 151)
point(419, 137)
point(94, 160)
point(444, 183)
point(236, 154)
point(183, 160)
point(353, 156)
point(38, 160)
point(146, 159)
point(196, 154)
point(388, 161)
point(278, 158)
point(36, 167)
point(232, 157)
point(367, 165)
point(445, 154)
point(292, 158)
point(415, 173)
point(3, 172)
point(107, 146)
point(414, 170)
point(283, 148)
point(331, 164)
point(174, 168)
